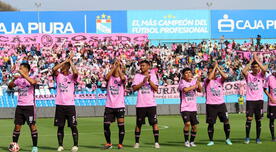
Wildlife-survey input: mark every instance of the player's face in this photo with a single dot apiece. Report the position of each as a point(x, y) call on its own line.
point(188, 75)
point(23, 69)
point(65, 68)
point(255, 68)
point(144, 67)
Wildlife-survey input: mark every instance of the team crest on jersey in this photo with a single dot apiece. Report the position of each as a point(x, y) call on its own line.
point(103, 24)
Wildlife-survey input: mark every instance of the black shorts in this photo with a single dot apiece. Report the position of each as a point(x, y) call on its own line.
point(214, 111)
point(64, 113)
point(111, 113)
point(142, 113)
point(256, 108)
point(190, 116)
point(271, 112)
point(25, 114)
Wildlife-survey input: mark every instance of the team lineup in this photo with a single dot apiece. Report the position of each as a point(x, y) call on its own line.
point(146, 83)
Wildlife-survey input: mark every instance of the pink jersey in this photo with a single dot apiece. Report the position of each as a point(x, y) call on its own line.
point(214, 91)
point(25, 92)
point(145, 96)
point(254, 88)
point(115, 93)
point(271, 85)
point(65, 89)
point(188, 99)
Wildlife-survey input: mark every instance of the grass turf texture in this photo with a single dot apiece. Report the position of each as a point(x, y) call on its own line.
point(91, 136)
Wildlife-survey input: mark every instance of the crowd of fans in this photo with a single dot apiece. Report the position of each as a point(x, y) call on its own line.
point(93, 60)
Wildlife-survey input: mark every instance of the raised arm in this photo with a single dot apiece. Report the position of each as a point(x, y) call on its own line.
point(246, 68)
point(199, 87)
point(212, 74)
point(223, 75)
point(263, 68)
point(30, 80)
point(12, 84)
point(74, 69)
point(55, 69)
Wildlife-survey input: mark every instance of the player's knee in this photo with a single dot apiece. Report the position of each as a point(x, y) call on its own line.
point(74, 130)
point(194, 128)
point(139, 125)
point(249, 118)
point(155, 127)
point(188, 124)
point(33, 128)
point(17, 128)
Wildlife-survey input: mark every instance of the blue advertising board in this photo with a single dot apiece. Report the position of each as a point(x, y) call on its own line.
point(170, 24)
point(243, 23)
point(100, 22)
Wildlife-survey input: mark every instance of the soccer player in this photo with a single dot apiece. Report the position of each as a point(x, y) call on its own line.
point(188, 107)
point(65, 105)
point(25, 110)
point(146, 84)
point(254, 96)
point(271, 93)
point(115, 103)
point(215, 105)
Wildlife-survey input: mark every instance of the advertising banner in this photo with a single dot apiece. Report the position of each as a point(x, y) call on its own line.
point(170, 24)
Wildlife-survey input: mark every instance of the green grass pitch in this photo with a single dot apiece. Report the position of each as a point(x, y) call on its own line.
point(91, 138)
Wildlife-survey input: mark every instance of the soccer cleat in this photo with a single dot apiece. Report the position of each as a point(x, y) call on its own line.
point(74, 149)
point(156, 145)
point(247, 140)
point(192, 144)
point(211, 143)
point(60, 148)
point(274, 139)
point(228, 142)
point(187, 144)
point(120, 146)
point(107, 146)
point(34, 149)
point(136, 145)
point(258, 141)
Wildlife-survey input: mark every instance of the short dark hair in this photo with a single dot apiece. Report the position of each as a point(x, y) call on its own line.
point(254, 63)
point(26, 65)
point(210, 67)
point(144, 61)
point(67, 64)
point(186, 69)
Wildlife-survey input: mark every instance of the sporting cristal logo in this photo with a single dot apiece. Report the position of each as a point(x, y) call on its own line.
point(103, 24)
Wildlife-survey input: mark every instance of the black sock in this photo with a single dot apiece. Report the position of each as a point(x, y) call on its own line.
point(226, 130)
point(186, 135)
point(156, 135)
point(15, 136)
point(107, 133)
point(60, 135)
point(258, 128)
point(247, 128)
point(271, 126)
point(121, 127)
point(34, 138)
point(75, 135)
point(137, 134)
point(193, 135)
point(211, 131)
